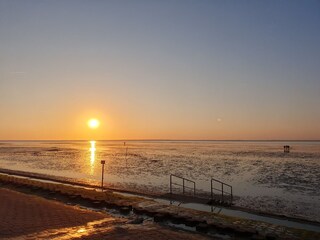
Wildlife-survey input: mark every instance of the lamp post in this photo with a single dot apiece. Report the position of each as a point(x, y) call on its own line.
point(102, 173)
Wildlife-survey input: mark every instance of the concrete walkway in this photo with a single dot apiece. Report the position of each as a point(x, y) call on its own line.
point(30, 217)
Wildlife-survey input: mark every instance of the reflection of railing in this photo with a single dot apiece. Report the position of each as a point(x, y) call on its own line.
point(183, 185)
point(226, 196)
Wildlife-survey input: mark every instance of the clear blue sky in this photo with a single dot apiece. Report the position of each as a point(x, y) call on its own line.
point(160, 69)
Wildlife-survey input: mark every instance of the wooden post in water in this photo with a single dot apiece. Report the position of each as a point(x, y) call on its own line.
point(126, 156)
point(286, 148)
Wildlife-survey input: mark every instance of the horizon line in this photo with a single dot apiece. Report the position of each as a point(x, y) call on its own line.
point(176, 140)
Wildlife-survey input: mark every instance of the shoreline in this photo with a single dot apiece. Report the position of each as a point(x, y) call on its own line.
point(148, 194)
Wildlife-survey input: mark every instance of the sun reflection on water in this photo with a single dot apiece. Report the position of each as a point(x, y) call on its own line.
point(92, 156)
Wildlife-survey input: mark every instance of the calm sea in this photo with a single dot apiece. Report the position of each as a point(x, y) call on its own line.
point(262, 175)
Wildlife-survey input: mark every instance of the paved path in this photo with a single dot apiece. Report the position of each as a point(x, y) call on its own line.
point(30, 217)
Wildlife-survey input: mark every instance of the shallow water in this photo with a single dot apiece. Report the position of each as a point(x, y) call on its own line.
point(262, 175)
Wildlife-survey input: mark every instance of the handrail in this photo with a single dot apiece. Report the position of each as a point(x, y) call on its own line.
point(225, 190)
point(183, 184)
point(222, 190)
point(220, 182)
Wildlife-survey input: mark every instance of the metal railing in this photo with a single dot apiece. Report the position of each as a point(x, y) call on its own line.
point(183, 185)
point(225, 195)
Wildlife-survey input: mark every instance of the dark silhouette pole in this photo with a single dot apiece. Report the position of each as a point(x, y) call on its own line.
point(102, 173)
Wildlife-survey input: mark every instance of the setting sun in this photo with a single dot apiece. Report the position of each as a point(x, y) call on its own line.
point(93, 123)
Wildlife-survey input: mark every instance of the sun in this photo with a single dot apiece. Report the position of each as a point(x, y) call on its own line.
point(93, 123)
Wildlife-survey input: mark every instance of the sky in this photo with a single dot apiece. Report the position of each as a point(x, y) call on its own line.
point(170, 69)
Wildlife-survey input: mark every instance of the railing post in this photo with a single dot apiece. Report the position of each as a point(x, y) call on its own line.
point(183, 185)
point(231, 195)
point(222, 191)
point(211, 191)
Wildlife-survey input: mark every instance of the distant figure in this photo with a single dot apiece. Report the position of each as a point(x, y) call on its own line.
point(124, 143)
point(286, 148)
